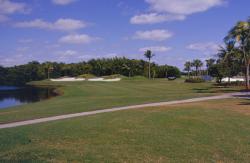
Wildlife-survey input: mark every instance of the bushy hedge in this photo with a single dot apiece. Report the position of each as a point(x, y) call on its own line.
point(195, 80)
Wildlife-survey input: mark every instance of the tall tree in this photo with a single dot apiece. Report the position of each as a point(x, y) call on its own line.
point(188, 67)
point(149, 55)
point(197, 64)
point(229, 58)
point(49, 68)
point(218, 70)
point(240, 33)
point(209, 64)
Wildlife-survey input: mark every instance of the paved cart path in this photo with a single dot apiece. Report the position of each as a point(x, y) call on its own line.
point(66, 116)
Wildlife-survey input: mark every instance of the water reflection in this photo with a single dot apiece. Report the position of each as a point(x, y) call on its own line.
point(12, 96)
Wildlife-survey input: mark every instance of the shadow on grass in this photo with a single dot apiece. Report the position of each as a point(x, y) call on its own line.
point(247, 102)
point(213, 90)
point(203, 90)
point(217, 88)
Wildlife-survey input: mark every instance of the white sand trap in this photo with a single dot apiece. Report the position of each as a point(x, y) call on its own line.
point(96, 79)
point(105, 80)
point(67, 79)
point(112, 80)
point(82, 79)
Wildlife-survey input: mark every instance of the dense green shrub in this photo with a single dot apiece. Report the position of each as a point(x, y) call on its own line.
point(173, 72)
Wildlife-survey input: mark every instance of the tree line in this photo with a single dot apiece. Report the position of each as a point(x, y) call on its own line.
point(33, 71)
point(233, 57)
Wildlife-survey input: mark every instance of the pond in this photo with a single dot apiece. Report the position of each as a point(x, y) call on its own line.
point(12, 96)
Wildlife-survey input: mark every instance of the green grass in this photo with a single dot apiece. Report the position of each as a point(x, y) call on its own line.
point(114, 76)
point(87, 76)
point(88, 96)
point(214, 131)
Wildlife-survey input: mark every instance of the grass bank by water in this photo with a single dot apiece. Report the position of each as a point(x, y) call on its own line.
point(88, 96)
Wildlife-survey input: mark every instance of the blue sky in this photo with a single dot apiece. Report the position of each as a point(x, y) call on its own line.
point(78, 30)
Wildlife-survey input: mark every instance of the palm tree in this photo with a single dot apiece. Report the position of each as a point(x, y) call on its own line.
point(228, 56)
point(188, 66)
point(149, 55)
point(240, 33)
point(49, 68)
point(197, 64)
point(209, 64)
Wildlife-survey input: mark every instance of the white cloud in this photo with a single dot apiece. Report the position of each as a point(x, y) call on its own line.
point(69, 24)
point(85, 57)
point(25, 41)
point(67, 56)
point(205, 48)
point(77, 39)
point(170, 10)
point(8, 7)
point(67, 53)
point(16, 59)
point(60, 24)
point(156, 49)
point(154, 35)
point(111, 55)
point(62, 2)
point(183, 7)
point(152, 18)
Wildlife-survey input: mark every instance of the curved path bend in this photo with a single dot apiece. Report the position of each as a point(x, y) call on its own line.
point(67, 116)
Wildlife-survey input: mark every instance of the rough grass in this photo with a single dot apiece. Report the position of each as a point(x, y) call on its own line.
point(214, 131)
point(114, 76)
point(87, 96)
point(86, 76)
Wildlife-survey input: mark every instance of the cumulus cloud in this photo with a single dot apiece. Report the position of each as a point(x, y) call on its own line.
point(205, 48)
point(170, 10)
point(62, 2)
point(9, 7)
point(67, 53)
point(183, 7)
point(16, 59)
point(153, 35)
point(77, 39)
point(152, 18)
point(156, 49)
point(60, 24)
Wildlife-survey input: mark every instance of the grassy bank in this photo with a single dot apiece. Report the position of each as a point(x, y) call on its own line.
point(87, 96)
point(214, 131)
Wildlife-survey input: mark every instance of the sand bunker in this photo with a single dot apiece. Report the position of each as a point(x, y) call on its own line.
point(96, 79)
point(82, 79)
point(67, 79)
point(112, 80)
